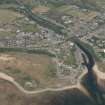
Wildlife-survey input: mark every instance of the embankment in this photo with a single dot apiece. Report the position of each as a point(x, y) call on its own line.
point(100, 79)
point(71, 95)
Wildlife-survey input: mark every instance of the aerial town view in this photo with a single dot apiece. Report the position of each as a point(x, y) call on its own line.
point(52, 52)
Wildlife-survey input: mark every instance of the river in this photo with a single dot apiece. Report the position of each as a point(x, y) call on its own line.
point(90, 82)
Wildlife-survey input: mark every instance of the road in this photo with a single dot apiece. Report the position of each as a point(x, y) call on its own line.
point(91, 83)
point(11, 80)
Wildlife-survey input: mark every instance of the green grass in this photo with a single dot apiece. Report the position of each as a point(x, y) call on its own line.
point(7, 33)
point(71, 60)
point(29, 28)
point(50, 72)
point(8, 6)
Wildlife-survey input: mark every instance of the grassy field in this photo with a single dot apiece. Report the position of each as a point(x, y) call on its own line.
point(7, 33)
point(34, 68)
point(71, 60)
point(8, 15)
point(29, 28)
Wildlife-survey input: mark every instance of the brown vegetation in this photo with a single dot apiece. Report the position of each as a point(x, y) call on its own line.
point(40, 10)
point(28, 67)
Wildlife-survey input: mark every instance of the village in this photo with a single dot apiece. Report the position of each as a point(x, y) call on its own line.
point(50, 41)
point(25, 33)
